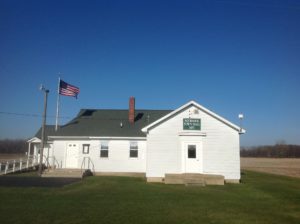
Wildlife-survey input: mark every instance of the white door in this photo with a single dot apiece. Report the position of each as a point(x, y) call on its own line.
point(193, 157)
point(72, 155)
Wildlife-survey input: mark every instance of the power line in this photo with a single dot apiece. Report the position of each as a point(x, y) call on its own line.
point(262, 4)
point(30, 115)
point(63, 117)
point(66, 117)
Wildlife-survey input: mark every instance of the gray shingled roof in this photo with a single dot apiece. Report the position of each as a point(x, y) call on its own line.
point(107, 123)
point(49, 131)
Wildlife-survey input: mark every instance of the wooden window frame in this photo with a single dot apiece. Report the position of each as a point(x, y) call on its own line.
point(104, 148)
point(133, 148)
point(84, 146)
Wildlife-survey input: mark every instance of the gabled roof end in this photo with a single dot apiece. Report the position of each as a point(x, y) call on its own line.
point(192, 102)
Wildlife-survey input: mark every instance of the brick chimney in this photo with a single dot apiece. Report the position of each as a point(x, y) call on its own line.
point(131, 110)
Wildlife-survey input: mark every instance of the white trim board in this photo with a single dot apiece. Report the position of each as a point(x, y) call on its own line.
point(200, 107)
point(96, 138)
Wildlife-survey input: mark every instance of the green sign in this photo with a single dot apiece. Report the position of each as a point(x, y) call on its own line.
point(191, 124)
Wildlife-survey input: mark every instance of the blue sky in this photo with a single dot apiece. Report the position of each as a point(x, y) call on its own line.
point(230, 56)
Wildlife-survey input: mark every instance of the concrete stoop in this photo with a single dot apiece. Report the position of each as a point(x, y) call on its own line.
point(194, 179)
point(67, 173)
point(121, 174)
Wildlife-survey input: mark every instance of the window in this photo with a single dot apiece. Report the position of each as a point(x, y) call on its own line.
point(133, 152)
point(192, 151)
point(85, 149)
point(104, 150)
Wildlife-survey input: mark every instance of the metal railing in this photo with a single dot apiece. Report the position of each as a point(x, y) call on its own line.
point(87, 164)
point(56, 163)
point(46, 163)
point(16, 165)
point(53, 164)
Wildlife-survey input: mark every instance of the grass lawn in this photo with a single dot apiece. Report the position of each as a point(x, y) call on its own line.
point(261, 198)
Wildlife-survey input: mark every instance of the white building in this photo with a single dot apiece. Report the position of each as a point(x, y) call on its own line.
point(190, 139)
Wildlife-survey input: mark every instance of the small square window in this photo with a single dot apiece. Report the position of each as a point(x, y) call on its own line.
point(134, 153)
point(85, 149)
point(104, 153)
point(192, 151)
point(134, 145)
point(104, 145)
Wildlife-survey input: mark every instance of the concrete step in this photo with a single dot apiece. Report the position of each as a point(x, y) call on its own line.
point(214, 179)
point(71, 173)
point(194, 179)
point(58, 170)
point(186, 178)
point(202, 184)
point(62, 175)
point(174, 179)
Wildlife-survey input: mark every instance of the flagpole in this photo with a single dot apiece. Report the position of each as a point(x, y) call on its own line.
point(57, 105)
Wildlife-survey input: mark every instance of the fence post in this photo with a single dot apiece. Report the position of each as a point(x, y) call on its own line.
point(21, 164)
point(14, 166)
point(6, 167)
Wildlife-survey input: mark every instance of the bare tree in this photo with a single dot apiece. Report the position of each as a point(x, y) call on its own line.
point(13, 146)
point(275, 151)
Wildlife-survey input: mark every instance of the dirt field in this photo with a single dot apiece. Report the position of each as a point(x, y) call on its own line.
point(6, 157)
point(287, 167)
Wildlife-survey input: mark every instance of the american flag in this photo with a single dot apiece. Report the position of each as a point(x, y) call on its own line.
point(68, 90)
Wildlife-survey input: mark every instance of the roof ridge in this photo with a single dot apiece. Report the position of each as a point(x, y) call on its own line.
point(128, 109)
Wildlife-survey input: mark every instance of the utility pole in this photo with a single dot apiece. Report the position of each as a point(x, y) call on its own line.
point(241, 117)
point(46, 91)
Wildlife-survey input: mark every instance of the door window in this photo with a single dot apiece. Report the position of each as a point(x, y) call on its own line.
point(192, 151)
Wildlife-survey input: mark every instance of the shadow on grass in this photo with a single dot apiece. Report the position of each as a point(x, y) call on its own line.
point(34, 180)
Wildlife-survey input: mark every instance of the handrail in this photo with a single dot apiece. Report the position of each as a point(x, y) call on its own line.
point(54, 164)
point(23, 158)
point(89, 161)
point(55, 161)
point(47, 161)
point(14, 165)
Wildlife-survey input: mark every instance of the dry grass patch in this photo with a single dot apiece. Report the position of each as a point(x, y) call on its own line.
point(279, 166)
point(7, 156)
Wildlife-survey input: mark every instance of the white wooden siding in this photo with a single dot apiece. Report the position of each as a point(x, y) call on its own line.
point(162, 152)
point(47, 152)
point(59, 150)
point(118, 159)
point(220, 146)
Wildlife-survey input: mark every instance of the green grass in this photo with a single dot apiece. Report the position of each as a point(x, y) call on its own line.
point(261, 198)
point(31, 173)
